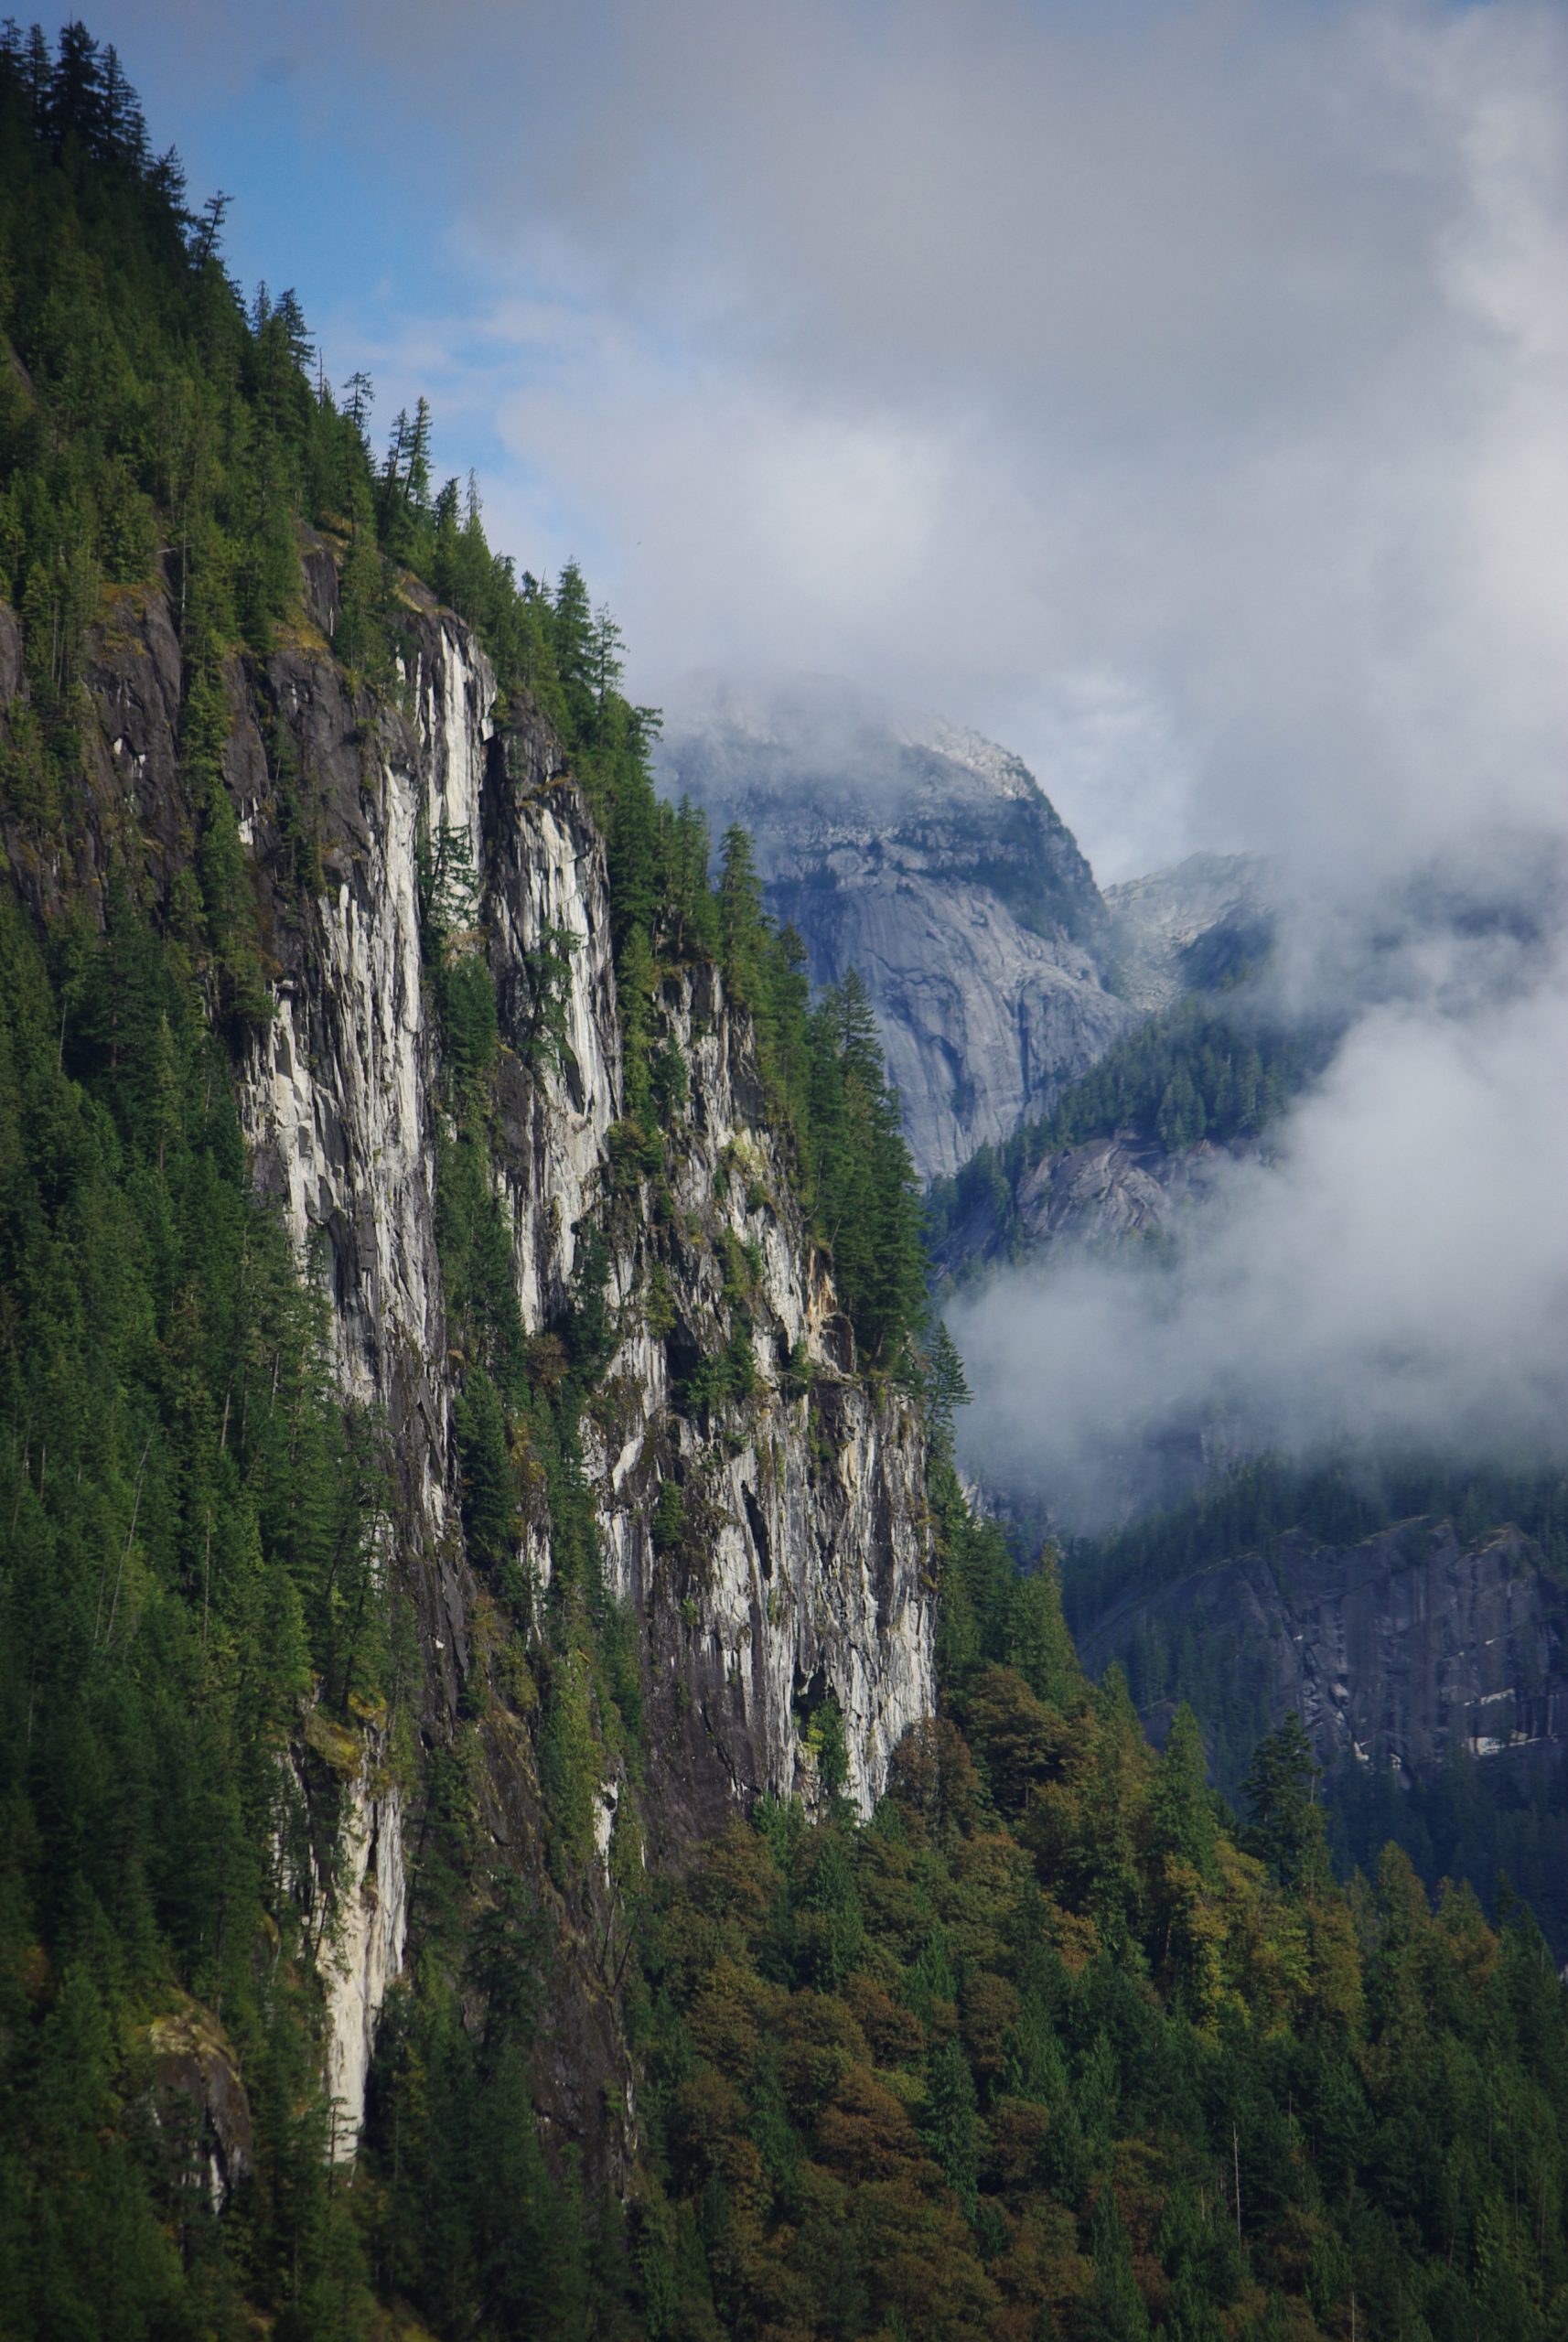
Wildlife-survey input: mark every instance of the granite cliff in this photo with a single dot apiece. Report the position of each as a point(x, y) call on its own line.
point(792, 1566)
point(1395, 1650)
point(935, 864)
point(1181, 929)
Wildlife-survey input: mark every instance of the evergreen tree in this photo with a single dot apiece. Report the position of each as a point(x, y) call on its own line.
point(1286, 1821)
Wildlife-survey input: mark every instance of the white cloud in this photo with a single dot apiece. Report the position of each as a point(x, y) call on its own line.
point(1013, 354)
point(1206, 363)
point(1398, 1275)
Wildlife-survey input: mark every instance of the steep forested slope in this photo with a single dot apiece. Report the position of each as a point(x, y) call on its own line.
point(530, 1807)
point(1210, 1073)
point(1415, 1612)
point(1410, 1608)
point(426, 1388)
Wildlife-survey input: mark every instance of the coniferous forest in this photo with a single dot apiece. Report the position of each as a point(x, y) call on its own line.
point(1053, 2043)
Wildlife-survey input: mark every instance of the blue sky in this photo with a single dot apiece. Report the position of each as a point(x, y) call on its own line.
point(1174, 392)
point(338, 187)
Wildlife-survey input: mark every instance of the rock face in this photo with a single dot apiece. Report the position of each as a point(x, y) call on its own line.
point(1179, 930)
point(802, 1563)
point(793, 1560)
point(368, 1942)
point(196, 2087)
point(937, 866)
point(1096, 1197)
point(1110, 1191)
point(1391, 1651)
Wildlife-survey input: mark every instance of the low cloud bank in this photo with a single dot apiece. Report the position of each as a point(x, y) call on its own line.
point(1393, 1273)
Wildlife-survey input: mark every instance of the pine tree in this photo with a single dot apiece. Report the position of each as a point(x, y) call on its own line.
point(1286, 1821)
point(1182, 1826)
point(741, 919)
point(949, 2123)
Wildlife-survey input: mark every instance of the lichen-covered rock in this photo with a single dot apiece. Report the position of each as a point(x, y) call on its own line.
point(198, 2087)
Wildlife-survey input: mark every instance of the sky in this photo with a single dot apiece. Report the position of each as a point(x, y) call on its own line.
point(1176, 393)
point(1170, 392)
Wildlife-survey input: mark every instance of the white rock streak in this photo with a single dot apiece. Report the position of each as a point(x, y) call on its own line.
point(818, 1576)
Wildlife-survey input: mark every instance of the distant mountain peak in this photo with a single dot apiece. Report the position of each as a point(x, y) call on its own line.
point(1181, 929)
point(929, 858)
point(1003, 772)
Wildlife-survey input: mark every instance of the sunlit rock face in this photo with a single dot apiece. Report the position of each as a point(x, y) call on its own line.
point(935, 865)
point(801, 1571)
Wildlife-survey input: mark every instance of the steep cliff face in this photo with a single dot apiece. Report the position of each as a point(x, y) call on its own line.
point(793, 1560)
point(937, 867)
point(802, 1563)
point(1392, 1650)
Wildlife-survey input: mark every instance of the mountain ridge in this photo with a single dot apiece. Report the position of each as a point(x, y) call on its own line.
point(931, 861)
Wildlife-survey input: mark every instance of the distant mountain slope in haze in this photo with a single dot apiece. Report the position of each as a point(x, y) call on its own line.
point(1415, 1617)
point(1141, 1137)
point(937, 866)
point(1181, 929)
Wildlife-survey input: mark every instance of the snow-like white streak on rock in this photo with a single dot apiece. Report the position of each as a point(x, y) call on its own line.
point(548, 898)
point(815, 1577)
point(365, 1949)
point(816, 1573)
point(336, 1099)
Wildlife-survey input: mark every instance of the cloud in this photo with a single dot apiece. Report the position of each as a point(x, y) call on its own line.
point(1199, 363)
point(1171, 390)
point(1177, 394)
point(1212, 361)
point(1394, 1277)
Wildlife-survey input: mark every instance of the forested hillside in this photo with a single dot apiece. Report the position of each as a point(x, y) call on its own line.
point(1498, 1820)
point(479, 1510)
point(1210, 1068)
point(1052, 2048)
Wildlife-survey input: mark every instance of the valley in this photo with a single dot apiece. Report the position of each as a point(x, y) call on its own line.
point(543, 1801)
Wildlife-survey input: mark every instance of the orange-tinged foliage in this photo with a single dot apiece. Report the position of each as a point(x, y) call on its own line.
point(894, 2035)
point(920, 2262)
point(867, 2133)
point(1074, 2013)
point(1017, 2129)
point(725, 2014)
point(988, 2009)
point(820, 2042)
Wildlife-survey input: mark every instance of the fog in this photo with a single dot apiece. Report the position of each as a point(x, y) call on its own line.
point(766, 747)
point(1391, 1274)
point(1172, 390)
point(1174, 393)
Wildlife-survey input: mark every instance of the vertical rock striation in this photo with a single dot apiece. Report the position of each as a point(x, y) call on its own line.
point(800, 1569)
